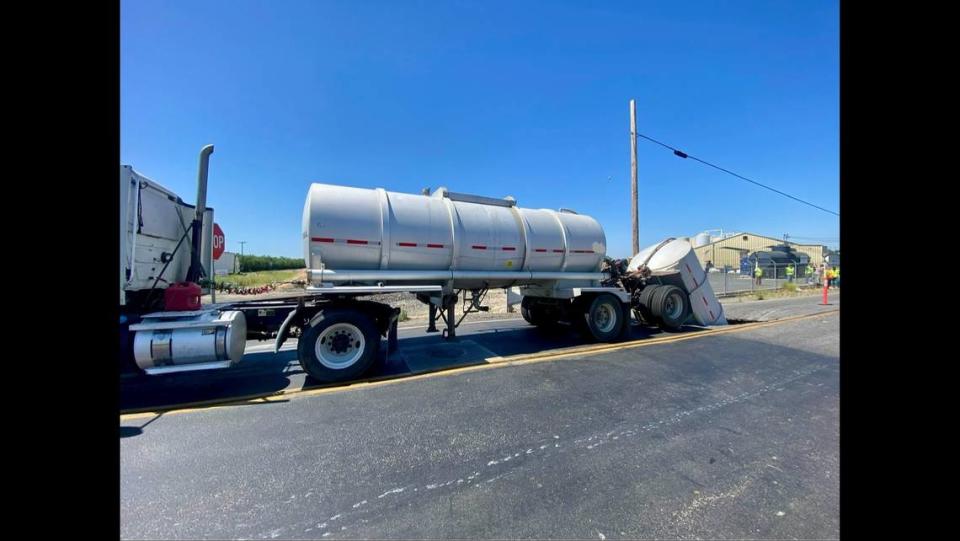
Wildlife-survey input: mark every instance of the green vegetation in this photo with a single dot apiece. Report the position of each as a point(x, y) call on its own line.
point(253, 263)
point(403, 315)
point(789, 287)
point(253, 279)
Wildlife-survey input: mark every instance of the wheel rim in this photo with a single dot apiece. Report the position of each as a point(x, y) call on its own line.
point(339, 346)
point(604, 318)
point(673, 306)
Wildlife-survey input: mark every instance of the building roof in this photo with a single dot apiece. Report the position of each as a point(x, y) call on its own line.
point(780, 241)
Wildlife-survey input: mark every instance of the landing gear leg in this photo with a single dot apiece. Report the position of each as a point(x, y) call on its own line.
point(450, 333)
point(432, 326)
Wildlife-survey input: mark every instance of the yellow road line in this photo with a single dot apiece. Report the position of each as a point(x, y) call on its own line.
point(492, 362)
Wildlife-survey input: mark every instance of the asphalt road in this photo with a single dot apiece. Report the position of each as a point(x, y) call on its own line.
point(720, 436)
point(778, 308)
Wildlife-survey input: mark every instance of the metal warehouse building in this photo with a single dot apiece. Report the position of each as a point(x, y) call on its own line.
point(727, 251)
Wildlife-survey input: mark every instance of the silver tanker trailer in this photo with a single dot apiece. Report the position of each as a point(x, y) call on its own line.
point(445, 247)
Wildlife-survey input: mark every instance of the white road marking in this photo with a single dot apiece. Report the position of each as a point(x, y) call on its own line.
point(391, 491)
point(699, 501)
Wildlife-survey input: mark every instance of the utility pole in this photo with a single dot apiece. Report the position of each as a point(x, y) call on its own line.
point(242, 242)
point(633, 177)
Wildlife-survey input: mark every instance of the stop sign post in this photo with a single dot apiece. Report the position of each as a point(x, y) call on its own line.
point(219, 242)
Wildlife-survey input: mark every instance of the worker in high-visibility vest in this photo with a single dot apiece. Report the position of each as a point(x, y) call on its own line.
point(758, 273)
point(831, 275)
point(808, 272)
point(790, 271)
point(836, 276)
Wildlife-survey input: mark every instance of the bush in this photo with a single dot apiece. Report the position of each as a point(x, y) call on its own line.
point(789, 287)
point(259, 278)
point(253, 263)
point(403, 315)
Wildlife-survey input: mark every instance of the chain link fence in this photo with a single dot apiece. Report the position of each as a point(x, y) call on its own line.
point(730, 281)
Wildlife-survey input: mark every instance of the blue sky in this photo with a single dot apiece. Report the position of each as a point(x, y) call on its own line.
point(520, 98)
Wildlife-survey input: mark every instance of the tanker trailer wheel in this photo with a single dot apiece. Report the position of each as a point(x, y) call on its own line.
point(340, 345)
point(671, 306)
point(534, 314)
point(605, 317)
point(645, 302)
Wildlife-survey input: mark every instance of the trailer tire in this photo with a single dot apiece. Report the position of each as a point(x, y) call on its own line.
point(339, 345)
point(671, 306)
point(605, 317)
point(645, 302)
point(534, 314)
point(526, 310)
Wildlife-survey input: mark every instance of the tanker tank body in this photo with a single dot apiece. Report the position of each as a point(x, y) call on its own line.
point(359, 242)
point(367, 236)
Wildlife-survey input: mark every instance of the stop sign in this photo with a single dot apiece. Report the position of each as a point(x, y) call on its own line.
point(219, 242)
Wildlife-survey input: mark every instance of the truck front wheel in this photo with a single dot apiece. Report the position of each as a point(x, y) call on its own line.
point(339, 345)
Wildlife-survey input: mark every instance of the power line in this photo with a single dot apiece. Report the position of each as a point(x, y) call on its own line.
point(684, 155)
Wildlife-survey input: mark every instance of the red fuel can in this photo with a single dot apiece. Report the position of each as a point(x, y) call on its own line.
point(182, 296)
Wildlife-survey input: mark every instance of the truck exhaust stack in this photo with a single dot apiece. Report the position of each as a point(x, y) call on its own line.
point(196, 266)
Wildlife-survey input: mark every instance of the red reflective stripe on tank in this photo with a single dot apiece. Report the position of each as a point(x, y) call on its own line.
point(711, 314)
point(581, 251)
point(558, 251)
point(509, 248)
point(688, 268)
point(321, 239)
point(704, 301)
point(434, 246)
point(540, 250)
point(411, 244)
point(355, 241)
point(479, 247)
